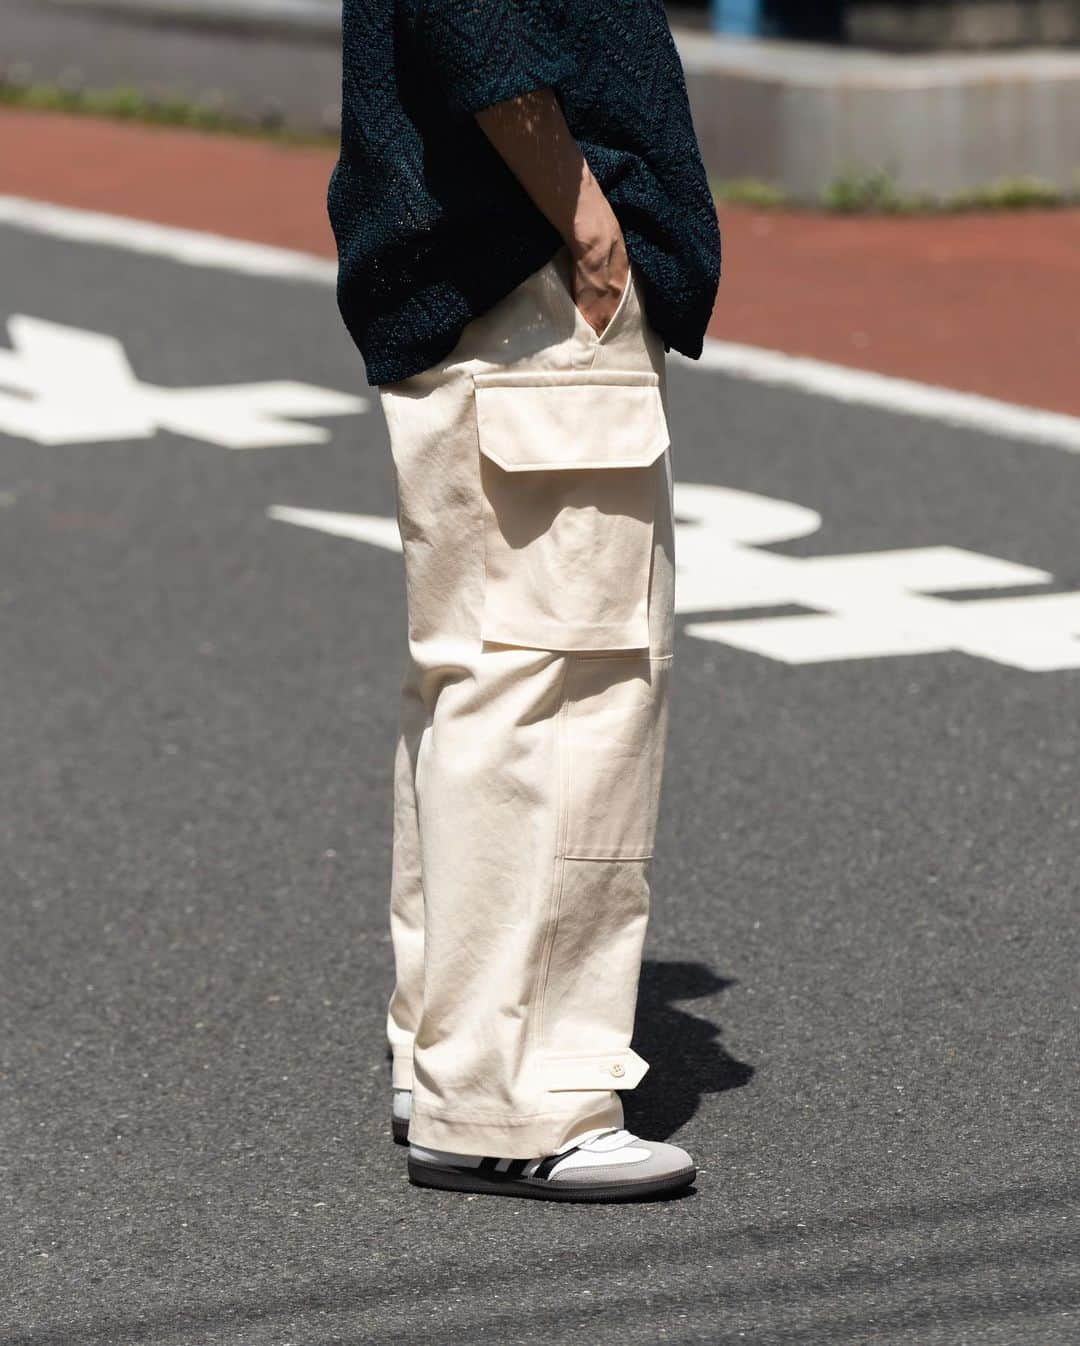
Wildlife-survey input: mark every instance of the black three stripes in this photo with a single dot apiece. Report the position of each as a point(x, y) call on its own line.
point(514, 1169)
point(545, 1166)
point(517, 1167)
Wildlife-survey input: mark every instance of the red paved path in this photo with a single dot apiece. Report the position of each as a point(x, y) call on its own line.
point(987, 303)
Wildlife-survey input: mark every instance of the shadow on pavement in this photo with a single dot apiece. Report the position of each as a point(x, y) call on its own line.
point(686, 1056)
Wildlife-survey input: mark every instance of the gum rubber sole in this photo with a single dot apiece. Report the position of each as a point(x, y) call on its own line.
point(469, 1180)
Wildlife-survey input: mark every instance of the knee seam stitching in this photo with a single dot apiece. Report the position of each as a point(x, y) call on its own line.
point(555, 896)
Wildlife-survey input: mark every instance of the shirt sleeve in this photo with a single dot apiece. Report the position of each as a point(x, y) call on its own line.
point(485, 51)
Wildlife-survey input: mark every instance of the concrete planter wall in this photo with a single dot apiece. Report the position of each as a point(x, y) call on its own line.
point(800, 116)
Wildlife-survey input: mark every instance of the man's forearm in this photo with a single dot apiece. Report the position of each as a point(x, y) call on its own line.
point(531, 134)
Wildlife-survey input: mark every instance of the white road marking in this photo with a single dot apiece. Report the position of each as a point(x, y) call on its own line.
point(902, 397)
point(64, 385)
point(193, 247)
point(370, 528)
point(862, 605)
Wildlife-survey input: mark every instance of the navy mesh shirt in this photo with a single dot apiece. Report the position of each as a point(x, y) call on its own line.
point(433, 228)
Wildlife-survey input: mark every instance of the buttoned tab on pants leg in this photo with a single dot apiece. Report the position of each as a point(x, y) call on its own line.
point(534, 496)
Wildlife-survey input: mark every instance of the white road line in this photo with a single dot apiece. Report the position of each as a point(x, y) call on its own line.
point(189, 246)
point(902, 397)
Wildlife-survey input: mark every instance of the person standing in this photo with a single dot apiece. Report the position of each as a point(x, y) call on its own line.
point(524, 229)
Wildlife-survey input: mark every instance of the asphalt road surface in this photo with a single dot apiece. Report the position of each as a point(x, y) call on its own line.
point(859, 1000)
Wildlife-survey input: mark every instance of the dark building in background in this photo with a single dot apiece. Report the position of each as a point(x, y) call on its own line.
point(920, 25)
point(901, 25)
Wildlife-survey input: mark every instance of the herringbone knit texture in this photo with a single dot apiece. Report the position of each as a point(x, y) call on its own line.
point(433, 228)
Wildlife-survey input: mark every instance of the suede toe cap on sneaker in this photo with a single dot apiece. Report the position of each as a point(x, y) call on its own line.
point(663, 1163)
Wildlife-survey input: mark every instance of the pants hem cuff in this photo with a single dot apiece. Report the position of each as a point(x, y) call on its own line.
point(512, 1137)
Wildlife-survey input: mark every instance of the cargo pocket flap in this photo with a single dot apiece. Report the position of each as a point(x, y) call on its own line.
point(570, 419)
point(608, 1070)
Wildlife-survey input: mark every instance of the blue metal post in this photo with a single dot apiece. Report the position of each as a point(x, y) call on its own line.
point(741, 17)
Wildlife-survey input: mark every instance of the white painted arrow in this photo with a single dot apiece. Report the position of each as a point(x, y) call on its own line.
point(64, 385)
point(859, 606)
point(375, 529)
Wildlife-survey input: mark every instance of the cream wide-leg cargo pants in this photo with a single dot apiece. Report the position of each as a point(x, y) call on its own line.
point(534, 501)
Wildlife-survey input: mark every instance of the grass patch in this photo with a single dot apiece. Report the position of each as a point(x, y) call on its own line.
point(131, 104)
point(751, 192)
point(1014, 194)
point(875, 192)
